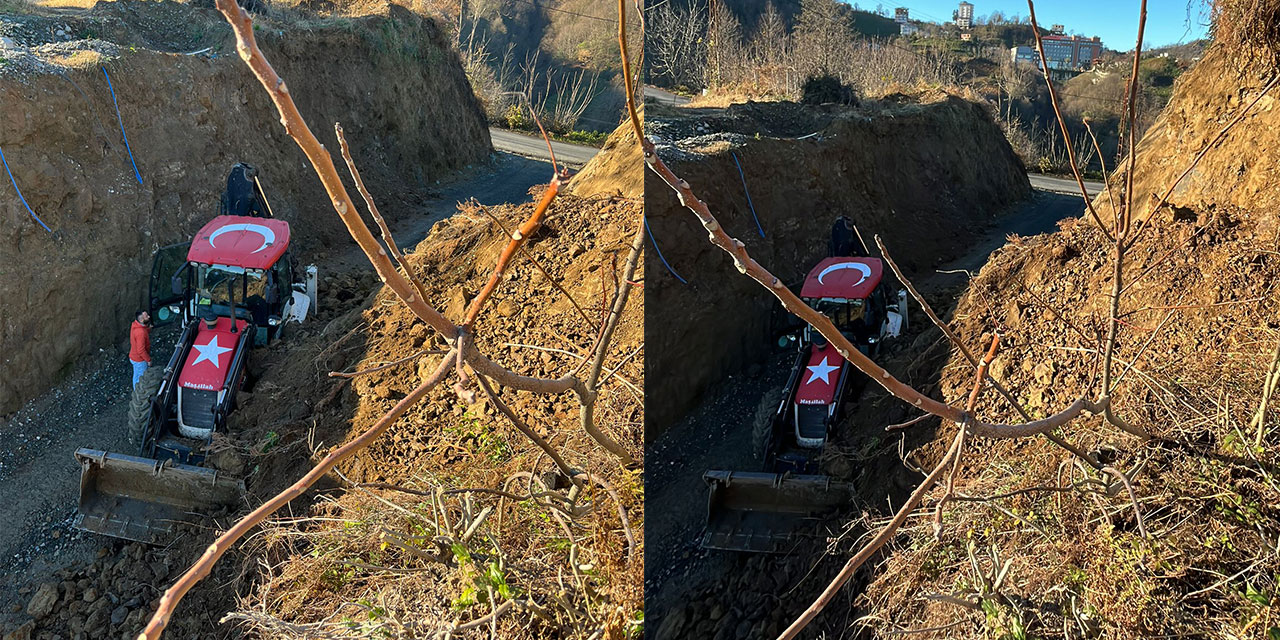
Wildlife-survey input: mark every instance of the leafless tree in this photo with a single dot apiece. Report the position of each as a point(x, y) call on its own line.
point(725, 53)
point(771, 43)
point(674, 43)
point(822, 32)
point(1013, 81)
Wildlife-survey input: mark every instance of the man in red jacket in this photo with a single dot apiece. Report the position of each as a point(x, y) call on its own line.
point(140, 344)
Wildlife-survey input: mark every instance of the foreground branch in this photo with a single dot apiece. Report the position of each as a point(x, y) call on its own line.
point(886, 534)
point(202, 567)
point(518, 238)
point(373, 211)
point(591, 389)
point(955, 340)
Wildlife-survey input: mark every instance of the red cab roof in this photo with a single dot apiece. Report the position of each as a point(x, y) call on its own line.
point(821, 376)
point(240, 241)
point(850, 278)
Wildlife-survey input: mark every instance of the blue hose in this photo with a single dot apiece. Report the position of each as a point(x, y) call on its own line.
point(121, 121)
point(24, 200)
point(744, 190)
point(659, 252)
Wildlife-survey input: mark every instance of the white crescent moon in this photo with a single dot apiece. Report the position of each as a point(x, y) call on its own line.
point(866, 271)
point(268, 236)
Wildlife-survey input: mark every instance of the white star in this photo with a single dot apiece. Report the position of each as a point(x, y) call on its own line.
point(820, 370)
point(212, 351)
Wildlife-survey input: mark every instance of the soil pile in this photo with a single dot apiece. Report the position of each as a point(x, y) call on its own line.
point(617, 169)
point(532, 327)
point(927, 176)
point(188, 119)
point(1201, 322)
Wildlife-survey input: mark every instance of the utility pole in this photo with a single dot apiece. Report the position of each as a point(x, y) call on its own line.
point(712, 44)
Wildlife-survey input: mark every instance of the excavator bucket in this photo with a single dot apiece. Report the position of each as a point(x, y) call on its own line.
point(767, 512)
point(142, 499)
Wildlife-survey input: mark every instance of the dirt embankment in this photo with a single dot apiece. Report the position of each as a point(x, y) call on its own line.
point(928, 177)
point(189, 118)
point(530, 326)
point(617, 170)
point(1201, 321)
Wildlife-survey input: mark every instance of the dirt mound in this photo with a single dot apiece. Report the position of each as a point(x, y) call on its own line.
point(617, 169)
point(1238, 172)
point(533, 328)
point(1201, 320)
point(188, 119)
point(926, 176)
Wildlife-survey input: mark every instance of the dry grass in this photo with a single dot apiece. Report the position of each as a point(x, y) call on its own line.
point(1077, 564)
point(1248, 28)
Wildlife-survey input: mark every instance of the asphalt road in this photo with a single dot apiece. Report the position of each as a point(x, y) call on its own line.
point(574, 155)
point(1067, 186)
point(662, 96)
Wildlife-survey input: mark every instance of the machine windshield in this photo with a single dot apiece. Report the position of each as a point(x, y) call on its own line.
point(839, 311)
point(212, 286)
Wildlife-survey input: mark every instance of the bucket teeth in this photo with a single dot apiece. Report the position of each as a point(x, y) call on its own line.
point(141, 499)
point(767, 512)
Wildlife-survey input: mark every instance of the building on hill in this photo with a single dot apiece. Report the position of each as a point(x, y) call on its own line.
point(1071, 52)
point(908, 29)
point(964, 15)
point(1023, 54)
point(902, 15)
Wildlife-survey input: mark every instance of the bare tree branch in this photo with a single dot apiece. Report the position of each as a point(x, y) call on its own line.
point(955, 340)
point(202, 567)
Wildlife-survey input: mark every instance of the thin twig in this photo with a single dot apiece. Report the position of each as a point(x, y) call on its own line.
point(1270, 382)
point(1137, 513)
point(955, 465)
point(529, 255)
point(569, 472)
point(1066, 136)
point(903, 425)
point(352, 374)
point(373, 211)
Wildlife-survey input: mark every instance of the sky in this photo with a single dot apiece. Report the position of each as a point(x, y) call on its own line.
point(1115, 21)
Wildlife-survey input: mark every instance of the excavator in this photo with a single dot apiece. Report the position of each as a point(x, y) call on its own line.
point(233, 287)
point(765, 511)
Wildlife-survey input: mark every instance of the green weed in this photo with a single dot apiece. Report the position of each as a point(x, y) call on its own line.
point(485, 441)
